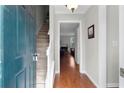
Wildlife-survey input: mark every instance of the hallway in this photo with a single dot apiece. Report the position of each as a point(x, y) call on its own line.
point(70, 76)
point(31, 38)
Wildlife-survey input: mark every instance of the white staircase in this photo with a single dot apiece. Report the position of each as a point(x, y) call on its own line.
point(42, 45)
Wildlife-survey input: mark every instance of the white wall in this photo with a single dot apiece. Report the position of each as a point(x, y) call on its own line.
point(92, 65)
point(65, 41)
point(40, 16)
point(77, 50)
point(112, 46)
point(95, 49)
point(52, 30)
point(51, 50)
point(38, 12)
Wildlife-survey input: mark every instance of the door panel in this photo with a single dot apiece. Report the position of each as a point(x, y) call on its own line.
point(33, 50)
point(9, 28)
point(20, 80)
point(18, 46)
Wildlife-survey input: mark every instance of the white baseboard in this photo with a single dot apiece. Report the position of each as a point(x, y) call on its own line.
point(92, 80)
point(82, 71)
point(110, 85)
point(57, 71)
point(53, 77)
point(50, 77)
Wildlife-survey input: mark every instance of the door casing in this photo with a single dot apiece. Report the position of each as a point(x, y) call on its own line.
point(81, 45)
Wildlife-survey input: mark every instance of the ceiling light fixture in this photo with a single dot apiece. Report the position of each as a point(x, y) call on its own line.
point(72, 6)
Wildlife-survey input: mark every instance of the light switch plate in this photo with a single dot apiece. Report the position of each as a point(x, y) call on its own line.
point(122, 72)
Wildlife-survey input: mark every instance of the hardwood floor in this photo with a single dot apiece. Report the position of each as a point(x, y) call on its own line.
point(69, 76)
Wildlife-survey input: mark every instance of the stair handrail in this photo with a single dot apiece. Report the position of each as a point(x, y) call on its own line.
point(48, 65)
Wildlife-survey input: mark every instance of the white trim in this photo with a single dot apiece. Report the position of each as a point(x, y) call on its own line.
point(53, 77)
point(102, 45)
point(59, 13)
point(121, 44)
point(48, 32)
point(50, 76)
point(67, 34)
point(112, 85)
point(57, 72)
point(92, 80)
point(81, 46)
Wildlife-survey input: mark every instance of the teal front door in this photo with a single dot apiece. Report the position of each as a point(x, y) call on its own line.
point(18, 35)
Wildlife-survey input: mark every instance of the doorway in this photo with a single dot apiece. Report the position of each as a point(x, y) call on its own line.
point(69, 45)
point(79, 57)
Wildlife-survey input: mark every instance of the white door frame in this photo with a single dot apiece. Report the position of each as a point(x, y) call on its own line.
point(121, 44)
point(102, 46)
point(81, 42)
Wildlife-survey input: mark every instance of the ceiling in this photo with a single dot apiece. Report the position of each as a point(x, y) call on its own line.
point(61, 9)
point(68, 28)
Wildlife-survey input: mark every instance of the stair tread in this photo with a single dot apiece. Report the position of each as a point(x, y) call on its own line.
point(42, 46)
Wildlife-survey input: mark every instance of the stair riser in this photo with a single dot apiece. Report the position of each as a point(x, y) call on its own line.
point(45, 28)
point(43, 41)
point(43, 33)
point(40, 38)
point(42, 64)
point(43, 38)
point(40, 85)
point(41, 47)
point(41, 51)
point(42, 57)
point(42, 67)
point(42, 44)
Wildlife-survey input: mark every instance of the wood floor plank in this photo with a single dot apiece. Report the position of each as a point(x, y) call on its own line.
point(69, 76)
